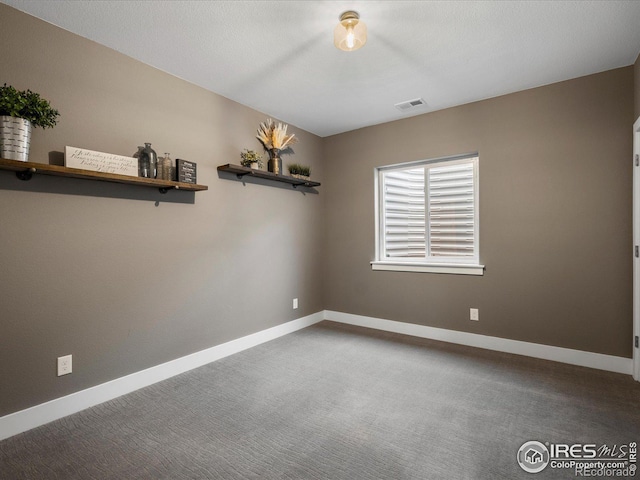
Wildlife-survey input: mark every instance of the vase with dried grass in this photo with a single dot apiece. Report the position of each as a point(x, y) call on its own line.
point(275, 140)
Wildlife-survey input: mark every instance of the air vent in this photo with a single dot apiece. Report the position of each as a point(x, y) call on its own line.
point(410, 104)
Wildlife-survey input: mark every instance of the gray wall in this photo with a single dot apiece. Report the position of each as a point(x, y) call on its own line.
point(555, 216)
point(636, 81)
point(124, 278)
point(99, 270)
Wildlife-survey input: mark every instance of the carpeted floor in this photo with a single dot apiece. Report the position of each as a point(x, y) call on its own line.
point(337, 402)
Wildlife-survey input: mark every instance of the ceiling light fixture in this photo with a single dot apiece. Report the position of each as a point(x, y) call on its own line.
point(350, 34)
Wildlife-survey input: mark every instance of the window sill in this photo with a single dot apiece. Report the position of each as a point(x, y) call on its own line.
point(460, 269)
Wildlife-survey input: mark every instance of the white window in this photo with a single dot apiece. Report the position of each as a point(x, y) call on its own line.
point(427, 216)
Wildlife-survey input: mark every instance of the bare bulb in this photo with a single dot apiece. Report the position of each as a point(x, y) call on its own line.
point(350, 34)
point(351, 38)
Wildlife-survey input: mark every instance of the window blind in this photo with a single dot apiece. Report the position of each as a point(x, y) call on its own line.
point(451, 210)
point(404, 213)
point(429, 211)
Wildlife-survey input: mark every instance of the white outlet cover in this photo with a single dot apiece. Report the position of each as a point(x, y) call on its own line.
point(65, 365)
point(295, 303)
point(474, 314)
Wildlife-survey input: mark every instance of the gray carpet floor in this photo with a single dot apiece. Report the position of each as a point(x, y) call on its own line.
point(337, 402)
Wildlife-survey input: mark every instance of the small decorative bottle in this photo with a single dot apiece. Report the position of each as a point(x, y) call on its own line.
point(159, 173)
point(148, 161)
point(137, 154)
point(153, 160)
point(143, 166)
point(167, 167)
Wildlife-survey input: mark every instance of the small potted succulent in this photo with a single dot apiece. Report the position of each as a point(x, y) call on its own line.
point(299, 171)
point(20, 110)
point(251, 159)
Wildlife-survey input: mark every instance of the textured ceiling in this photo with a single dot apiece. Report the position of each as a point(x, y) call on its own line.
point(278, 56)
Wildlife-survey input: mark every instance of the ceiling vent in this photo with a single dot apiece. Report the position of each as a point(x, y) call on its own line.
point(410, 104)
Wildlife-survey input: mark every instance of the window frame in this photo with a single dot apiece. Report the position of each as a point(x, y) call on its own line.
point(428, 264)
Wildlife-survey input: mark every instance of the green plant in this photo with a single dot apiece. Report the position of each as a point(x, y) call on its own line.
point(28, 105)
point(249, 156)
point(297, 169)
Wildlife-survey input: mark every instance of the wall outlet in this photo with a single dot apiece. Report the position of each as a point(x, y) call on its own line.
point(474, 314)
point(64, 365)
point(295, 303)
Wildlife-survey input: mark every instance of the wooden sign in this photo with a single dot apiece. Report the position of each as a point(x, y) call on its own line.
point(186, 171)
point(100, 162)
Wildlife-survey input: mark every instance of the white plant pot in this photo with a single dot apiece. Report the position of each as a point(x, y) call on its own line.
point(300, 177)
point(15, 137)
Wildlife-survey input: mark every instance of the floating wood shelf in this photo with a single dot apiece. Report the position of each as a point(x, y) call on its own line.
point(246, 171)
point(26, 170)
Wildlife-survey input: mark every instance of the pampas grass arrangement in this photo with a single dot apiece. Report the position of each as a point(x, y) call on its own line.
point(274, 135)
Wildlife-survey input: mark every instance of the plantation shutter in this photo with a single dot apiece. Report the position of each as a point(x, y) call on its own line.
point(451, 210)
point(404, 213)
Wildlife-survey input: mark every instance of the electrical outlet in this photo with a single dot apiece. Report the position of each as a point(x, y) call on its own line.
point(474, 314)
point(64, 365)
point(295, 303)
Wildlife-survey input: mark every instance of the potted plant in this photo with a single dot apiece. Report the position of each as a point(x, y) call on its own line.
point(251, 159)
point(19, 111)
point(299, 171)
point(275, 140)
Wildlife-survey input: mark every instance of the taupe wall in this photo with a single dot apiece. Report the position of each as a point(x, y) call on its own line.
point(555, 216)
point(124, 278)
point(636, 80)
point(101, 271)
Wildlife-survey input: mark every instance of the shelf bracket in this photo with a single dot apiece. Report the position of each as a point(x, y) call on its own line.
point(25, 175)
point(164, 190)
point(240, 175)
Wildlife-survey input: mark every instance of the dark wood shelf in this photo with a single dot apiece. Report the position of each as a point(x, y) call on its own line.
point(25, 170)
point(241, 171)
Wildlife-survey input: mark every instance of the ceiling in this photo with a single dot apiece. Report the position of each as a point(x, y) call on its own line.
point(278, 56)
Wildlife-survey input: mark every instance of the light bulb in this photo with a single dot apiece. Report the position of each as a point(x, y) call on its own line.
point(350, 34)
point(351, 38)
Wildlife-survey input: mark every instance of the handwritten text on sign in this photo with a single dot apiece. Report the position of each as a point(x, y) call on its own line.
point(100, 162)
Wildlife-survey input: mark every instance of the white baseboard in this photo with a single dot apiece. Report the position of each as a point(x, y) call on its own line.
point(38, 415)
point(545, 352)
point(29, 418)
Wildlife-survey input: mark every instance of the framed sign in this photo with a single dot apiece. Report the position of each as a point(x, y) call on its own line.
point(100, 162)
point(186, 171)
